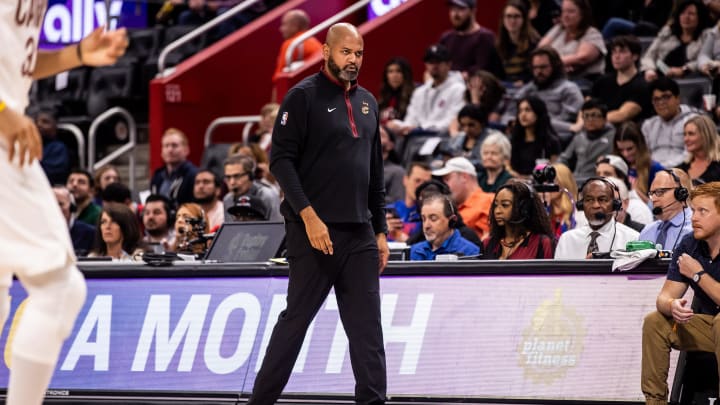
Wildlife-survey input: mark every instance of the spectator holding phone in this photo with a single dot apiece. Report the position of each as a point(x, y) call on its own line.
point(402, 217)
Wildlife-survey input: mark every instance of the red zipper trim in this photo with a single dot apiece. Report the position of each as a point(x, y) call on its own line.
point(350, 115)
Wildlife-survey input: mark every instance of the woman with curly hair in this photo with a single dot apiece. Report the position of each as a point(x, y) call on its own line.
point(519, 225)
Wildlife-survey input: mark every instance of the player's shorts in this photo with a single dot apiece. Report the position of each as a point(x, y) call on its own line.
point(34, 236)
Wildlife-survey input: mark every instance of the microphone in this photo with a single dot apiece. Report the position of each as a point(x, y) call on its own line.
point(659, 210)
point(600, 216)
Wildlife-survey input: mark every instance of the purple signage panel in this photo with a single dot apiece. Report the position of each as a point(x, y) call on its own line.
point(553, 337)
point(376, 8)
point(68, 21)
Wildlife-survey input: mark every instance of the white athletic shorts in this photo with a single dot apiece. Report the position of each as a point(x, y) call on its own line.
point(34, 236)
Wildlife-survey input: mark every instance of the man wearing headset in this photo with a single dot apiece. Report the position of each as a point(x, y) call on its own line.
point(669, 192)
point(675, 325)
point(599, 201)
point(439, 217)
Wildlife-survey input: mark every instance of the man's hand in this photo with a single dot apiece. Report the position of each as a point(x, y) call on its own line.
point(317, 231)
point(21, 135)
point(102, 48)
point(680, 313)
point(650, 75)
point(383, 251)
point(688, 266)
point(395, 227)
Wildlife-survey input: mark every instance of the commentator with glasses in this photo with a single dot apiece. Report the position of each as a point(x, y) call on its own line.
point(598, 199)
point(669, 194)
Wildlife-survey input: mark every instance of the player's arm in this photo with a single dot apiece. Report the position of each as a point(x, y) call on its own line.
point(100, 48)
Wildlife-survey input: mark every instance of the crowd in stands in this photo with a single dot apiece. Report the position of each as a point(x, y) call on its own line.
point(563, 136)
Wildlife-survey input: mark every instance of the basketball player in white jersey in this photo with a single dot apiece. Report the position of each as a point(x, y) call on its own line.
point(34, 241)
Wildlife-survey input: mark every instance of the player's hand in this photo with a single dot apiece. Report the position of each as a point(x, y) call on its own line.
point(102, 48)
point(383, 251)
point(680, 313)
point(21, 135)
point(317, 231)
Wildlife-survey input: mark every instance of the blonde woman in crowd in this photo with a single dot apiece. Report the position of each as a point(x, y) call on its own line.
point(701, 143)
point(561, 204)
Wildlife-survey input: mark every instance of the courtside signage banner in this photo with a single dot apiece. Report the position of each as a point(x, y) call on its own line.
point(555, 337)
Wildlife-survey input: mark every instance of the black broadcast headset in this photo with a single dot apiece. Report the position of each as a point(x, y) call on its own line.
point(449, 211)
point(680, 193)
point(616, 202)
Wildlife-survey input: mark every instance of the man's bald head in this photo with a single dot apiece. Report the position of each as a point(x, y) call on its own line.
point(343, 52)
point(294, 21)
point(342, 31)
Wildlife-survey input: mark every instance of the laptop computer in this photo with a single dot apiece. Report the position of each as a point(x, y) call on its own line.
point(243, 242)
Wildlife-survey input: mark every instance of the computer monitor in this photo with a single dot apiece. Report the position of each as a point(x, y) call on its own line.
point(242, 242)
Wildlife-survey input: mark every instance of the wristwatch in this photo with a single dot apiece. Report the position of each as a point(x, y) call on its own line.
point(696, 276)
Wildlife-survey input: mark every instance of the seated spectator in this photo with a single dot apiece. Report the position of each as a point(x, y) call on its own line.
point(81, 234)
point(159, 220)
point(579, 44)
point(206, 192)
point(118, 234)
point(675, 50)
point(191, 225)
point(80, 183)
point(396, 89)
point(294, 23)
point(104, 176)
point(263, 133)
point(471, 46)
point(431, 187)
point(516, 40)
point(676, 324)
point(484, 90)
point(599, 201)
point(240, 180)
point(664, 131)
point(614, 167)
point(533, 138)
point(708, 59)
point(197, 13)
point(703, 154)
point(435, 103)
point(630, 144)
point(624, 91)
point(248, 208)
point(561, 204)
point(55, 159)
point(403, 216)
point(562, 97)
point(118, 193)
point(176, 178)
point(519, 225)
point(495, 155)
point(438, 219)
point(473, 131)
point(262, 164)
point(543, 14)
point(595, 139)
point(472, 202)
point(643, 19)
point(394, 173)
point(669, 194)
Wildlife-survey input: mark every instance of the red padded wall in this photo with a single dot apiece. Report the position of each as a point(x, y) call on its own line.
point(233, 77)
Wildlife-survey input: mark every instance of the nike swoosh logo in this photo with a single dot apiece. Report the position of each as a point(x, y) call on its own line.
point(332, 109)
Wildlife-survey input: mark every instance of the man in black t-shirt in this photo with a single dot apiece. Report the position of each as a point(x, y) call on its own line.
point(675, 325)
point(624, 91)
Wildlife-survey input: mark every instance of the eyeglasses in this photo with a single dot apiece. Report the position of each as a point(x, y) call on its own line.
point(663, 98)
point(592, 116)
point(659, 192)
point(237, 176)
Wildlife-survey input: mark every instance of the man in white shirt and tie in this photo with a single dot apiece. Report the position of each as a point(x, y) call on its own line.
point(669, 192)
point(598, 199)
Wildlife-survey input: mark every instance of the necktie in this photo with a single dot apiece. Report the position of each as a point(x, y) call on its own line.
point(593, 246)
point(662, 233)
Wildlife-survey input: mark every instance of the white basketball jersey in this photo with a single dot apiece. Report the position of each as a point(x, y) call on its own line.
point(20, 22)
